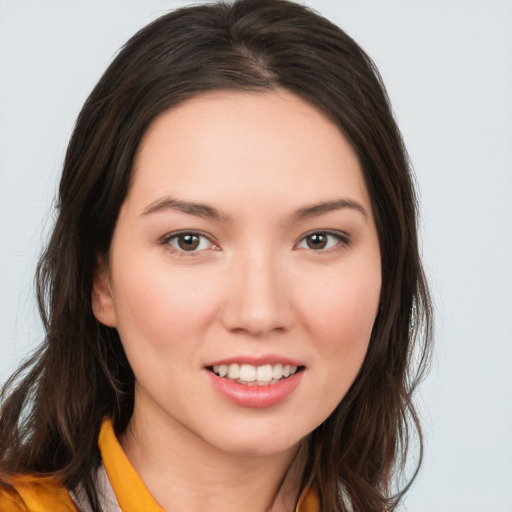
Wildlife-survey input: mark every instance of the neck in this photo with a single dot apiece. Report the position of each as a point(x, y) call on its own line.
point(183, 472)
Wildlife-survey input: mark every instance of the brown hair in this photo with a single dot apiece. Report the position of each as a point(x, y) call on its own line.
point(54, 404)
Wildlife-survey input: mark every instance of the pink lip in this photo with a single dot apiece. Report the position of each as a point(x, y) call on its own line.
point(257, 360)
point(255, 396)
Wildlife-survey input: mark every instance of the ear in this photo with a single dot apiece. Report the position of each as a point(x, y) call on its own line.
point(102, 299)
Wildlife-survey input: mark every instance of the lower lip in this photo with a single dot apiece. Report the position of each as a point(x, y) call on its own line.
point(255, 396)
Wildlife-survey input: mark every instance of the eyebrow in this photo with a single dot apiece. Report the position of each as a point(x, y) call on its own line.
point(189, 207)
point(328, 206)
point(209, 212)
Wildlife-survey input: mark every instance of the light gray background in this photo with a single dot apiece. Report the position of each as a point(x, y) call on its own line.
point(448, 68)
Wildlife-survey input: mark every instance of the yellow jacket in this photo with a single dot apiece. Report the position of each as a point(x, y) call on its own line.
point(32, 493)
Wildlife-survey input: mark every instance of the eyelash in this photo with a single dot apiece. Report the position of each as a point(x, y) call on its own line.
point(341, 240)
point(168, 241)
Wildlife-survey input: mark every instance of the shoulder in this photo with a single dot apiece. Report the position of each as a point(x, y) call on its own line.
point(32, 493)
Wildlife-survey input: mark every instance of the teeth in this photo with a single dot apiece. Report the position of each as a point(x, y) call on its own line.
point(264, 373)
point(233, 371)
point(255, 375)
point(277, 371)
point(247, 373)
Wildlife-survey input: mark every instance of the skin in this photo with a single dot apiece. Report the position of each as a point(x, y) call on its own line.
point(252, 287)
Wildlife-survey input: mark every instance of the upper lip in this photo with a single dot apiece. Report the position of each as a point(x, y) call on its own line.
point(257, 360)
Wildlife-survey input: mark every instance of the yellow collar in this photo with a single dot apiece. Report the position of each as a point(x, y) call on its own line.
point(132, 494)
point(34, 493)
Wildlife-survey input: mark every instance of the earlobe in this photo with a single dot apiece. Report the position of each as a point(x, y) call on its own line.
point(102, 300)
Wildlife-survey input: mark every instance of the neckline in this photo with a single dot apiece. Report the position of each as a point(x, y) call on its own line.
point(130, 491)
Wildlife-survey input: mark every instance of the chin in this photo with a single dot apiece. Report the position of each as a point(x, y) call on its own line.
point(253, 442)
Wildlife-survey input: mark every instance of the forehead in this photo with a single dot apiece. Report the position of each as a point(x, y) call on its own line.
point(226, 144)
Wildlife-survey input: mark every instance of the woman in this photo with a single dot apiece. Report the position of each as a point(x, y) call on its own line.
point(232, 292)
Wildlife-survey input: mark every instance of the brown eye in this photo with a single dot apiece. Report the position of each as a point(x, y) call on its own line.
point(189, 242)
point(316, 241)
point(323, 240)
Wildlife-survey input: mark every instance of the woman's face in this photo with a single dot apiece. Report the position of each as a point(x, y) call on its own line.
point(246, 245)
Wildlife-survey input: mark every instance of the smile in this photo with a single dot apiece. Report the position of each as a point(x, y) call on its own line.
point(250, 375)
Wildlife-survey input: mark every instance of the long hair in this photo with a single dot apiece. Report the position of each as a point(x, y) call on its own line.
point(53, 405)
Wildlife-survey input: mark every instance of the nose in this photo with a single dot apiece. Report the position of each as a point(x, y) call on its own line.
point(257, 297)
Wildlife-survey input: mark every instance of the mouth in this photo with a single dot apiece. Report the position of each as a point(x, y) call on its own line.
point(250, 375)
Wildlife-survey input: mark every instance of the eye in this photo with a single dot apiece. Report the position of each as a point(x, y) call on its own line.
point(322, 240)
point(189, 241)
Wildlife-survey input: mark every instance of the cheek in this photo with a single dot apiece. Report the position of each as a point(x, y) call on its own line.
point(343, 310)
point(160, 308)
point(340, 317)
